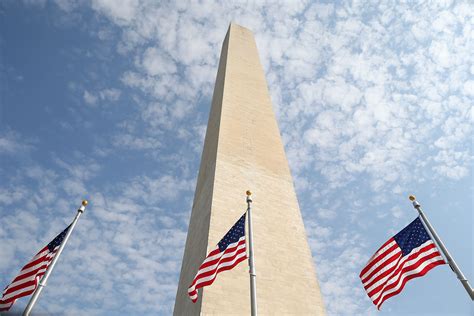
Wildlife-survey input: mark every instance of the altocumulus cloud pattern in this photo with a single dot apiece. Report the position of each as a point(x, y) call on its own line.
point(109, 101)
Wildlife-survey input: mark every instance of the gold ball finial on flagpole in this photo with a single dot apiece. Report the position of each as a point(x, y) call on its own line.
point(249, 198)
point(412, 198)
point(85, 202)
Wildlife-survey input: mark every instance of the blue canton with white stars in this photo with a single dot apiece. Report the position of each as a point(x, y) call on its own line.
point(412, 236)
point(58, 240)
point(233, 235)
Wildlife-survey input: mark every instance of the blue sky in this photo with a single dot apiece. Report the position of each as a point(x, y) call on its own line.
point(109, 100)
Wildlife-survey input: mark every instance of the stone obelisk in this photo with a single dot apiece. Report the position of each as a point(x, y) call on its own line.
point(243, 150)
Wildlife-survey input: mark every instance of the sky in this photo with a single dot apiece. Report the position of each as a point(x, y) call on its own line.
point(109, 100)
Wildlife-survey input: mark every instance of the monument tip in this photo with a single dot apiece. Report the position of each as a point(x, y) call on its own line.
point(236, 26)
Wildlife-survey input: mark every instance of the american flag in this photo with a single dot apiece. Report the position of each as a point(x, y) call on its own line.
point(229, 252)
point(27, 280)
point(409, 254)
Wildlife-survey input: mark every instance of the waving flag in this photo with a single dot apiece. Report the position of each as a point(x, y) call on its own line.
point(229, 252)
point(409, 254)
point(27, 280)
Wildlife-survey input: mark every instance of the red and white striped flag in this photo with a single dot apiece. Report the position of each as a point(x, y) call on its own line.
point(28, 278)
point(409, 254)
point(229, 252)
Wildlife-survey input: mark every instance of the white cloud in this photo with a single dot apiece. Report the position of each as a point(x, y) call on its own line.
point(468, 88)
point(11, 143)
point(12, 195)
point(67, 5)
point(441, 54)
point(156, 62)
point(110, 95)
point(327, 213)
point(90, 98)
point(84, 170)
point(132, 142)
point(121, 12)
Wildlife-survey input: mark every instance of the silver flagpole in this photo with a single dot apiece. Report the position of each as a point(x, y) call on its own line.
point(253, 275)
point(445, 251)
point(44, 279)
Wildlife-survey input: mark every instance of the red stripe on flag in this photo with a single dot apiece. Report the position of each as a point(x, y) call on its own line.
point(230, 251)
point(387, 272)
point(204, 278)
point(373, 276)
point(26, 281)
point(396, 269)
point(394, 281)
point(377, 256)
point(413, 276)
point(206, 283)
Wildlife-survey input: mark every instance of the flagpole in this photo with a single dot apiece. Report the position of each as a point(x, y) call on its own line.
point(44, 279)
point(253, 275)
point(445, 251)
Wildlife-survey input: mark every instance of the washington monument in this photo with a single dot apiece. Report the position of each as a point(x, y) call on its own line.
point(243, 150)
